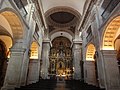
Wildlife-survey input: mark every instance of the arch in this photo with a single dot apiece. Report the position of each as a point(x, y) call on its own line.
point(5, 27)
point(57, 30)
point(111, 33)
point(13, 22)
point(66, 9)
point(8, 42)
point(63, 8)
point(90, 52)
point(91, 65)
point(57, 41)
point(4, 32)
point(64, 34)
point(34, 50)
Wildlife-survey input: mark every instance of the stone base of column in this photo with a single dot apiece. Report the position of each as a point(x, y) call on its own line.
point(9, 87)
point(44, 75)
point(77, 73)
point(76, 76)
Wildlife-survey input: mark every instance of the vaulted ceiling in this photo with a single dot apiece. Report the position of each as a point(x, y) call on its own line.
point(78, 5)
point(63, 16)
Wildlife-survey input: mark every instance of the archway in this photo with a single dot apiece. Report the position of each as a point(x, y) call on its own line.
point(90, 52)
point(34, 64)
point(110, 49)
point(91, 74)
point(12, 23)
point(111, 33)
point(61, 33)
point(111, 39)
point(34, 51)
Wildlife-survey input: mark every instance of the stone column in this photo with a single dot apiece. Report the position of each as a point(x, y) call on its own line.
point(100, 68)
point(33, 71)
point(90, 76)
point(25, 68)
point(14, 69)
point(76, 60)
point(112, 75)
point(45, 59)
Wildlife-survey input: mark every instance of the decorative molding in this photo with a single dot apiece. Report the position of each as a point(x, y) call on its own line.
point(64, 9)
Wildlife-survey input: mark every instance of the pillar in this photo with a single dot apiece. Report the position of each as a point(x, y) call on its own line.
point(112, 75)
point(100, 68)
point(24, 71)
point(90, 75)
point(76, 61)
point(45, 59)
point(33, 71)
point(14, 69)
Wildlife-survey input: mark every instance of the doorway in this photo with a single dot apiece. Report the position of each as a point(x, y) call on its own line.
point(91, 72)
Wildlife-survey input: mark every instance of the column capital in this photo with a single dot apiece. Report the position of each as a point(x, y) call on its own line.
point(77, 41)
point(77, 46)
point(48, 41)
point(109, 52)
point(17, 49)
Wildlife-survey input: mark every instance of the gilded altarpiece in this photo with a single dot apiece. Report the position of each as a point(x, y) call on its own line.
point(61, 58)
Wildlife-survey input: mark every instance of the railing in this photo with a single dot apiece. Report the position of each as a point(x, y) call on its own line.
point(20, 5)
point(109, 8)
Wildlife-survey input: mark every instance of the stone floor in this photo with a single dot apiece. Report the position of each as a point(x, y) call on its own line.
point(59, 85)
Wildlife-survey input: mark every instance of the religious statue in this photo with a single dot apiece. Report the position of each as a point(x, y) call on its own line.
point(60, 65)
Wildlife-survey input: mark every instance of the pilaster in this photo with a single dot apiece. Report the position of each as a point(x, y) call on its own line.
point(14, 69)
point(112, 75)
point(90, 75)
point(45, 59)
point(33, 71)
point(25, 67)
point(76, 60)
point(100, 68)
